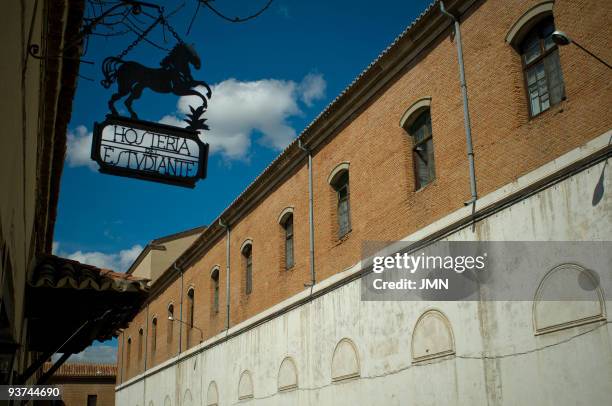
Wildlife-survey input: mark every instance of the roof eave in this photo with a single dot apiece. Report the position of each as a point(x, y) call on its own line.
point(414, 40)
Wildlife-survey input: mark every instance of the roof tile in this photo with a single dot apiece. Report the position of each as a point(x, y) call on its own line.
point(83, 370)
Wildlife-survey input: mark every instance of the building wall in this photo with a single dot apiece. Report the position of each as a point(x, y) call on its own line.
point(19, 114)
point(162, 259)
point(566, 367)
point(157, 260)
point(384, 204)
point(145, 267)
point(75, 391)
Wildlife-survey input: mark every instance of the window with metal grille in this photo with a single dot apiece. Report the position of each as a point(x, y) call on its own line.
point(247, 253)
point(422, 150)
point(170, 322)
point(215, 284)
point(343, 210)
point(128, 353)
point(190, 314)
point(542, 68)
point(288, 226)
point(153, 336)
point(140, 343)
point(190, 306)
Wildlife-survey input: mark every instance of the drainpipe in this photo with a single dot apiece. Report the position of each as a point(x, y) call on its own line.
point(122, 355)
point(310, 215)
point(146, 353)
point(466, 111)
point(227, 272)
point(146, 340)
point(180, 346)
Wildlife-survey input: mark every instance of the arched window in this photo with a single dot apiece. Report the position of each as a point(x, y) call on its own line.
point(345, 361)
point(247, 255)
point(568, 296)
point(190, 314)
point(286, 222)
point(541, 67)
point(153, 336)
point(432, 337)
point(140, 343)
point(417, 123)
point(187, 399)
point(190, 306)
point(170, 322)
point(339, 181)
point(212, 397)
point(214, 276)
point(128, 353)
point(287, 375)
point(245, 386)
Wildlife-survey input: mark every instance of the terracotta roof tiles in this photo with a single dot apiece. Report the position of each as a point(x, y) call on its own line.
point(56, 272)
point(83, 370)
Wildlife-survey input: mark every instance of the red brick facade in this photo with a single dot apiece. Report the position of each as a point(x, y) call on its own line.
point(80, 381)
point(383, 202)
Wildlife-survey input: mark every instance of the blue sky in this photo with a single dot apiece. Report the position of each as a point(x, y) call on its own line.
point(271, 76)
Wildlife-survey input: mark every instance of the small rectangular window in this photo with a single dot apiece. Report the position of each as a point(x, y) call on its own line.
point(170, 330)
point(340, 184)
point(215, 280)
point(153, 336)
point(422, 151)
point(343, 211)
point(289, 242)
point(128, 353)
point(92, 400)
point(248, 261)
point(140, 343)
point(191, 308)
point(542, 68)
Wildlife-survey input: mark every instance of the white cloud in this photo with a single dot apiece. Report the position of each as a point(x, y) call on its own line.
point(97, 354)
point(238, 110)
point(117, 261)
point(312, 88)
point(79, 148)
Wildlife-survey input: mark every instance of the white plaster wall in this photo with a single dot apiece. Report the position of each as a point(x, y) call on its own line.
point(498, 361)
point(20, 111)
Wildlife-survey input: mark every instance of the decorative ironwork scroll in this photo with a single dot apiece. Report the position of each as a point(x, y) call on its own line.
point(150, 151)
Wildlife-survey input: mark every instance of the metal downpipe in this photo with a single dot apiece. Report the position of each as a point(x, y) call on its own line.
point(227, 272)
point(466, 110)
point(180, 346)
point(310, 216)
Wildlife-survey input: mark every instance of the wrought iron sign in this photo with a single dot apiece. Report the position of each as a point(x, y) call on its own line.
point(148, 150)
point(151, 151)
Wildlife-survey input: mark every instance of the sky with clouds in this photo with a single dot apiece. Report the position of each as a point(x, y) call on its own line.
point(270, 78)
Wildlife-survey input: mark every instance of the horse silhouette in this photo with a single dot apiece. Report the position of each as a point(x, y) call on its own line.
point(174, 76)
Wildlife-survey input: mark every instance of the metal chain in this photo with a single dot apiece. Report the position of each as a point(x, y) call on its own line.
point(172, 31)
point(140, 38)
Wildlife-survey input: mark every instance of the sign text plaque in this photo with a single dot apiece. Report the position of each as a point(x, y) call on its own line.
point(150, 151)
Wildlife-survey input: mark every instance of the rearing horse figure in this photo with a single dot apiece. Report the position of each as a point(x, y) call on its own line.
point(174, 76)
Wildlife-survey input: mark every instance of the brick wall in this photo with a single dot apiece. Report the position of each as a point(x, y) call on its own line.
point(78, 381)
point(74, 393)
point(384, 203)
